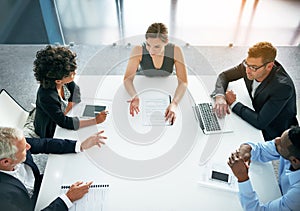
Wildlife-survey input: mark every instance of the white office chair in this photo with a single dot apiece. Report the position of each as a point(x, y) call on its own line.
point(12, 114)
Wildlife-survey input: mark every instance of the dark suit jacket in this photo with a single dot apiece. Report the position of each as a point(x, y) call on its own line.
point(274, 101)
point(13, 194)
point(49, 113)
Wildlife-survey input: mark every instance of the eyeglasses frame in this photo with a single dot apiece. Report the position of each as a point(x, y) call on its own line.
point(253, 68)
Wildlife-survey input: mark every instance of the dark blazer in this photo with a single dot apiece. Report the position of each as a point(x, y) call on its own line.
point(274, 100)
point(49, 112)
point(13, 194)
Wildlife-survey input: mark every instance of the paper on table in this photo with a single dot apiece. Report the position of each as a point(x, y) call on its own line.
point(154, 108)
point(93, 200)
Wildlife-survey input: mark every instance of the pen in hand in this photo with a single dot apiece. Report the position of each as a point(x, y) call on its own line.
point(101, 116)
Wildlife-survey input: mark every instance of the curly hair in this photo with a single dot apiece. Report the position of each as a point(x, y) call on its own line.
point(294, 136)
point(263, 49)
point(157, 30)
point(53, 63)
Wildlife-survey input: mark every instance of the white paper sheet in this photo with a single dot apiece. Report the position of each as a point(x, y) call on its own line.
point(154, 108)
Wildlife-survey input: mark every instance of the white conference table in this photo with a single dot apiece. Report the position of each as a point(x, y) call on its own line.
point(159, 167)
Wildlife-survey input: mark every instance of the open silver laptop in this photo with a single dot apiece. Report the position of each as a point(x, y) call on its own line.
point(208, 120)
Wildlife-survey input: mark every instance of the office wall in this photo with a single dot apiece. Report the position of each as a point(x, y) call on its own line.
point(21, 22)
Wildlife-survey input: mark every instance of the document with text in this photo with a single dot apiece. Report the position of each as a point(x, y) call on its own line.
point(154, 108)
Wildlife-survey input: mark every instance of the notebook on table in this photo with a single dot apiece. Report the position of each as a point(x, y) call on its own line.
point(93, 200)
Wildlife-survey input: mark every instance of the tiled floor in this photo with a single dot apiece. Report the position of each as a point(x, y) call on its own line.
point(199, 22)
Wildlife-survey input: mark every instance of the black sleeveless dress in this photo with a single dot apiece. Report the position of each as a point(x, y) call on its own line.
point(147, 66)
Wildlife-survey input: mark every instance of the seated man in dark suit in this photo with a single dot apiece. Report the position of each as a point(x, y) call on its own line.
point(20, 179)
point(270, 88)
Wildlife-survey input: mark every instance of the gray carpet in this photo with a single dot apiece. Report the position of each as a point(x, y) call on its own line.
point(16, 64)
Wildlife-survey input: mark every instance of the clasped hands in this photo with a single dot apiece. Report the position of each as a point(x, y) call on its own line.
point(239, 162)
point(170, 114)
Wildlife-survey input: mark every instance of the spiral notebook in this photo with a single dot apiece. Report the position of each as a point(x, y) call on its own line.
point(94, 200)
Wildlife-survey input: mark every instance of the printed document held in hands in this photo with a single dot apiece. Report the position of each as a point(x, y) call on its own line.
point(154, 107)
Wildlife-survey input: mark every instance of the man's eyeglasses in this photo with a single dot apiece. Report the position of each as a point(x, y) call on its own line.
point(252, 67)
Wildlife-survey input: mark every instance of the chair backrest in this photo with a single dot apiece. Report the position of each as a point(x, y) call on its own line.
point(12, 114)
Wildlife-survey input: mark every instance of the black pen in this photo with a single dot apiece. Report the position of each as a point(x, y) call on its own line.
point(170, 99)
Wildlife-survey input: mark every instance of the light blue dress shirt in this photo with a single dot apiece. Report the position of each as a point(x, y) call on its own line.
point(289, 182)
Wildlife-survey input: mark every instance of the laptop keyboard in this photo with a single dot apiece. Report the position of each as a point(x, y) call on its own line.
point(209, 119)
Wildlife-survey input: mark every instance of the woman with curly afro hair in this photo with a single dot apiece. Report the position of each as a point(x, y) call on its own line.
point(54, 69)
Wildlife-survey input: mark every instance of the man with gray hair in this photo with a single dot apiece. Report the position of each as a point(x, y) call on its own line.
point(20, 178)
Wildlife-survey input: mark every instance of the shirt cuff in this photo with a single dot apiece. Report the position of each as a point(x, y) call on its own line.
point(245, 187)
point(66, 200)
point(77, 146)
point(215, 95)
point(233, 104)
